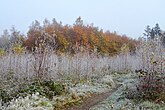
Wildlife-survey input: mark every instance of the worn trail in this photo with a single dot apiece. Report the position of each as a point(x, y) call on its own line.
point(93, 100)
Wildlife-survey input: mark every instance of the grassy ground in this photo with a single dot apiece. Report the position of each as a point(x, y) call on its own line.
point(118, 100)
point(76, 91)
point(73, 93)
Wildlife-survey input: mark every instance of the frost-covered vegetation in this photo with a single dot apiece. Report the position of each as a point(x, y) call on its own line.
point(143, 90)
point(119, 100)
point(72, 77)
point(41, 76)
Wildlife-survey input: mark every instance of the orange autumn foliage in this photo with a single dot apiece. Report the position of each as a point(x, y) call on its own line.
point(80, 37)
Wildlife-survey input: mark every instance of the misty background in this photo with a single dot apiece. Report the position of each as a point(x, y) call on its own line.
point(128, 17)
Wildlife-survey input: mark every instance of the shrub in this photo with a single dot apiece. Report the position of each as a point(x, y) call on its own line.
point(45, 88)
point(151, 85)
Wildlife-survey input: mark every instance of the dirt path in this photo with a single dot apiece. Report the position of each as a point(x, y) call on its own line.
point(93, 100)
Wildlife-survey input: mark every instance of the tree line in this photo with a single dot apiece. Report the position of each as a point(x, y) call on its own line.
point(78, 37)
